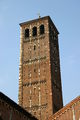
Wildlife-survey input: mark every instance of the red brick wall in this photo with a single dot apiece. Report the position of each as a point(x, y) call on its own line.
point(55, 68)
point(36, 88)
point(35, 82)
point(9, 111)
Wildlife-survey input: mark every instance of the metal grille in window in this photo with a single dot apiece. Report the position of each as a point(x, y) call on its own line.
point(26, 33)
point(41, 29)
point(34, 31)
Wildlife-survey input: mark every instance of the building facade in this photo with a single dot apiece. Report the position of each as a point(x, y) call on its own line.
point(40, 90)
point(9, 110)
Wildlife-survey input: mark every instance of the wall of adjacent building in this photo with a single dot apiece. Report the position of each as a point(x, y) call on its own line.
point(69, 112)
point(9, 110)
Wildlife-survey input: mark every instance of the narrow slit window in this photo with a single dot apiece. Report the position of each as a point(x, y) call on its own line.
point(34, 31)
point(26, 33)
point(34, 47)
point(41, 29)
point(34, 70)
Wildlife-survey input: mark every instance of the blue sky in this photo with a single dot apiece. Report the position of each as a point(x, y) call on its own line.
point(66, 16)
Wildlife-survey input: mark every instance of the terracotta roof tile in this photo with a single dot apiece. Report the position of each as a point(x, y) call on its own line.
point(65, 108)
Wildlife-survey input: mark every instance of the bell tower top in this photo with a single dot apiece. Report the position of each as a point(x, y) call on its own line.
point(37, 20)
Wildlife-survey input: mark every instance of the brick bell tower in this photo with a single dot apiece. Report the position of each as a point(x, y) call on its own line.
point(40, 90)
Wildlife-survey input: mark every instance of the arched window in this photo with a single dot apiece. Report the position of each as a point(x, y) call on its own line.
point(41, 29)
point(34, 31)
point(26, 33)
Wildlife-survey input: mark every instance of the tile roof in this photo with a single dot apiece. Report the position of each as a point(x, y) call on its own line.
point(65, 108)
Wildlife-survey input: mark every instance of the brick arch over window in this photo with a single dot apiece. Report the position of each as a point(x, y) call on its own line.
point(34, 31)
point(26, 33)
point(42, 30)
